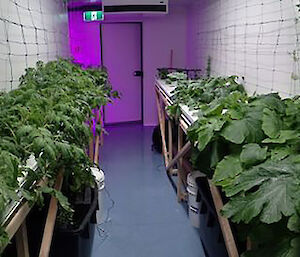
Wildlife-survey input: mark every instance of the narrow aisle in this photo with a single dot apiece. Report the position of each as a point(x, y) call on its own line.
point(146, 219)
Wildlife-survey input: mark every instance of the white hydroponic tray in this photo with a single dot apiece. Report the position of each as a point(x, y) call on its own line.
point(13, 205)
point(167, 89)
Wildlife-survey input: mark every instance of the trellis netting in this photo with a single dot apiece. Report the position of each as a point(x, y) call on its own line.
point(255, 39)
point(30, 30)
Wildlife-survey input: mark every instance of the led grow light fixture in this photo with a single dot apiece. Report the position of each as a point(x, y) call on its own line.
point(93, 16)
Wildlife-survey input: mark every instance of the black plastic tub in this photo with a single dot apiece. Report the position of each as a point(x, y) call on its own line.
point(77, 241)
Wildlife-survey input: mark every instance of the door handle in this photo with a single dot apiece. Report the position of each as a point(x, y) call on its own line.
point(138, 73)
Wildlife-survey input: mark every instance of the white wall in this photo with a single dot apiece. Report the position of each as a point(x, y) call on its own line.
point(255, 39)
point(161, 35)
point(30, 30)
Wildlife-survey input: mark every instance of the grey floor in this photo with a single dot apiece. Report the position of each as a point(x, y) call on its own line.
point(142, 216)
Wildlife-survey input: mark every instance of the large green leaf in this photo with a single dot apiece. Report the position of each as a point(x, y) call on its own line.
point(228, 168)
point(271, 101)
point(204, 137)
point(272, 123)
point(253, 154)
point(276, 187)
point(207, 131)
point(246, 130)
point(270, 202)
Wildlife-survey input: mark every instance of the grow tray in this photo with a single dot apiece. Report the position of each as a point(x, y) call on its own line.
point(13, 206)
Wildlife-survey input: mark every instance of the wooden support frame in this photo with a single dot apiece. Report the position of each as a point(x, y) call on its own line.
point(102, 126)
point(161, 119)
point(51, 218)
point(181, 152)
point(97, 145)
point(170, 145)
point(16, 226)
point(18, 219)
point(224, 223)
point(178, 159)
point(22, 241)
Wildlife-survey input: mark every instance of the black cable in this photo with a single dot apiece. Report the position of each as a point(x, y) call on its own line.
point(102, 231)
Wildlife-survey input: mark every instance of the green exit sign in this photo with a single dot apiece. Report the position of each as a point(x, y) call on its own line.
point(93, 16)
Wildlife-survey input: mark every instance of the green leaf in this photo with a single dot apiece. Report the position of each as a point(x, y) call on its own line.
point(4, 239)
point(270, 202)
point(63, 201)
point(284, 136)
point(271, 101)
point(281, 152)
point(50, 152)
point(228, 168)
point(24, 131)
point(204, 137)
point(207, 131)
point(272, 123)
point(294, 223)
point(271, 240)
point(253, 154)
point(216, 154)
point(286, 247)
point(277, 188)
point(246, 130)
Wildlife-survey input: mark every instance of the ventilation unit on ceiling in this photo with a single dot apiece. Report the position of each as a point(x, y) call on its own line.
point(135, 6)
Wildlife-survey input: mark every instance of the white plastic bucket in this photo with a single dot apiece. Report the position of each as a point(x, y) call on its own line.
point(100, 180)
point(194, 206)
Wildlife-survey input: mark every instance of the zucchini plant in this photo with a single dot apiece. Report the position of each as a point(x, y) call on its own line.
point(251, 149)
point(46, 117)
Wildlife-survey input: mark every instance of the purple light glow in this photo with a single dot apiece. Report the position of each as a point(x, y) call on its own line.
point(160, 36)
point(84, 37)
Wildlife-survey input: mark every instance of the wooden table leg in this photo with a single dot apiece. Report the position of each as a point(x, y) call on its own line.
point(51, 217)
point(179, 164)
point(170, 150)
point(224, 223)
point(22, 241)
point(97, 145)
point(102, 126)
point(161, 119)
point(181, 152)
point(91, 149)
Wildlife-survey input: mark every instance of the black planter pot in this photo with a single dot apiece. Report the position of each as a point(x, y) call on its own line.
point(77, 241)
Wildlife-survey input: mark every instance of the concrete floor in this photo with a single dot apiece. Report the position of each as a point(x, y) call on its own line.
point(142, 216)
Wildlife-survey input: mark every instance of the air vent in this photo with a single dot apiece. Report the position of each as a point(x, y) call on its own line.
point(135, 6)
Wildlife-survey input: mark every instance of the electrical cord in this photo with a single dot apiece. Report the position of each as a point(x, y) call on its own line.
point(103, 231)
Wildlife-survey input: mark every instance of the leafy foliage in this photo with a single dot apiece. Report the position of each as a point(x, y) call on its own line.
point(253, 145)
point(46, 117)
